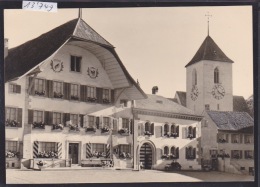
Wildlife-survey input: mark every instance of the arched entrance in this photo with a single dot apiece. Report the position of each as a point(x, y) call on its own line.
point(146, 155)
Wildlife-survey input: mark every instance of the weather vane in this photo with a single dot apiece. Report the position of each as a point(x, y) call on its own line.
point(208, 15)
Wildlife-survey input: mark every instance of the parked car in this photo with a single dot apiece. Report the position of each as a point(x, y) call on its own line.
point(174, 166)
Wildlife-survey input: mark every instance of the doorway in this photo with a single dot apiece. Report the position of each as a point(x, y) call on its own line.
point(74, 153)
point(146, 156)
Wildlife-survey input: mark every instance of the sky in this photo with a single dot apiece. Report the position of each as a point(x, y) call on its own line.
point(156, 43)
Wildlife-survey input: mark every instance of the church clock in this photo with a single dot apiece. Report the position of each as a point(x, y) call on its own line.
point(194, 93)
point(218, 92)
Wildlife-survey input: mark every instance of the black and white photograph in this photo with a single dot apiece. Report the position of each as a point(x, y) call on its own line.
point(129, 95)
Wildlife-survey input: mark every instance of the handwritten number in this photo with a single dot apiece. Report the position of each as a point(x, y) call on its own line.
point(33, 4)
point(27, 5)
point(51, 6)
point(41, 5)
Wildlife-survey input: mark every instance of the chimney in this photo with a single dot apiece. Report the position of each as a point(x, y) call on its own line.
point(155, 89)
point(6, 47)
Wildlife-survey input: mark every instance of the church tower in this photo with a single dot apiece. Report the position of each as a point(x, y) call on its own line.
point(209, 79)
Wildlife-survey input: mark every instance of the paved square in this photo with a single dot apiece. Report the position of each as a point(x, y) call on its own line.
point(115, 176)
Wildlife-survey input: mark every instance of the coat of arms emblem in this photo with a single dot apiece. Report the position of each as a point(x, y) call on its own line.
point(92, 72)
point(57, 65)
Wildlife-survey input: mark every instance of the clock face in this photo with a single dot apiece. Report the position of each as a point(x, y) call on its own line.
point(194, 93)
point(218, 92)
point(57, 65)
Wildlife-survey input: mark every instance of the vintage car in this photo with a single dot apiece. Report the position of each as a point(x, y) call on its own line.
point(174, 166)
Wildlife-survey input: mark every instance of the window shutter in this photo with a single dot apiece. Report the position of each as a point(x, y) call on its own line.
point(120, 121)
point(177, 152)
point(186, 152)
point(157, 131)
point(184, 132)
point(162, 130)
point(18, 88)
point(159, 153)
point(99, 95)
point(85, 118)
point(152, 128)
point(48, 118)
point(30, 116)
point(19, 116)
point(81, 120)
point(241, 138)
point(97, 122)
point(131, 126)
point(240, 155)
point(110, 123)
point(115, 125)
point(112, 96)
point(139, 129)
point(82, 93)
point(194, 153)
point(232, 138)
point(31, 92)
point(232, 154)
point(227, 140)
point(66, 117)
point(177, 130)
point(101, 122)
point(66, 90)
point(194, 132)
point(50, 88)
point(142, 129)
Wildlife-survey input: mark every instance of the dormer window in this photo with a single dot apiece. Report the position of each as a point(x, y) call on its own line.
point(75, 64)
point(158, 101)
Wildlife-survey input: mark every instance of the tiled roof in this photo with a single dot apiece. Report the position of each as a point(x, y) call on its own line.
point(182, 97)
point(173, 99)
point(209, 50)
point(23, 58)
point(231, 120)
point(160, 103)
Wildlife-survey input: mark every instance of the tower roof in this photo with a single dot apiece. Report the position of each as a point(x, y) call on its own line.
point(209, 50)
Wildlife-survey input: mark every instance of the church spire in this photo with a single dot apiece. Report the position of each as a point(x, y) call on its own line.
point(80, 13)
point(208, 15)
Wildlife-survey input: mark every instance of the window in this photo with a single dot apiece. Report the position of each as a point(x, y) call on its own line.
point(10, 114)
point(249, 154)
point(236, 138)
point(207, 107)
point(57, 118)
point(166, 129)
point(124, 148)
point(75, 63)
point(14, 88)
point(190, 153)
point(91, 92)
point(11, 146)
point(47, 146)
point(74, 92)
point(149, 128)
point(249, 139)
point(38, 116)
point(175, 152)
point(213, 153)
point(236, 154)
point(123, 102)
point(191, 132)
point(222, 138)
point(194, 77)
point(91, 121)
point(106, 94)
point(98, 147)
point(125, 123)
point(74, 119)
point(57, 89)
point(106, 121)
point(39, 87)
point(216, 75)
point(166, 150)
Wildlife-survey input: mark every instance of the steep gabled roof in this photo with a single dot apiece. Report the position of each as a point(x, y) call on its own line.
point(182, 97)
point(161, 104)
point(231, 120)
point(209, 50)
point(23, 58)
